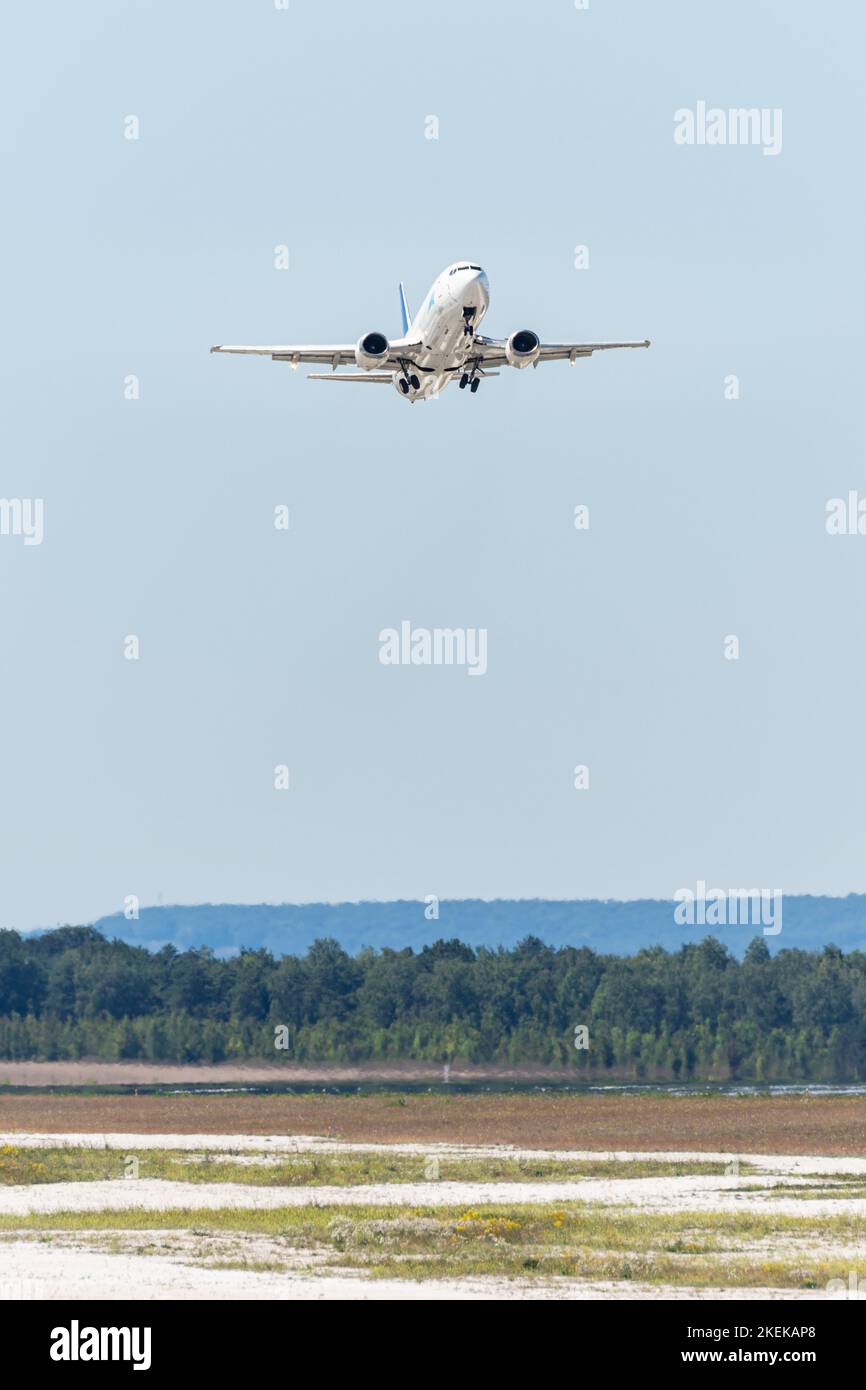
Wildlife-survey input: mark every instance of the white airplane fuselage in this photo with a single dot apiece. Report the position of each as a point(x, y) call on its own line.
point(452, 309)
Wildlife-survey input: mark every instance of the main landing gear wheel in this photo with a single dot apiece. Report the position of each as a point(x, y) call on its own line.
point(404, 386)
point(474, 385)
point(464, 381)
point(414, 382)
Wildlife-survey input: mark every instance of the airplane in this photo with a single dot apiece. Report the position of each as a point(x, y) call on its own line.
point(439, 345)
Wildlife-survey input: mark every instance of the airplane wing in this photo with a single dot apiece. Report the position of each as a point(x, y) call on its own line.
point(331, 355)
point(492, 350)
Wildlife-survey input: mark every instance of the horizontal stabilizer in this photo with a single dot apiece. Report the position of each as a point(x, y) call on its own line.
point(350, 376)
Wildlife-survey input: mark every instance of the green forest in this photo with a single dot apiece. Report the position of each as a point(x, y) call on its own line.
point(693, 1014)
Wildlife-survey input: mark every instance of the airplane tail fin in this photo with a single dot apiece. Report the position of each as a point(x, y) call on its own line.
point(404, 309)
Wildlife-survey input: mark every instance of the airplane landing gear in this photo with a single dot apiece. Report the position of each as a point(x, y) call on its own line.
point(408, 379)
point(464, 382)
point(474, 384)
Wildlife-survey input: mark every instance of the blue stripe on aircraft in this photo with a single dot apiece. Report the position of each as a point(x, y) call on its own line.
point(404, 309)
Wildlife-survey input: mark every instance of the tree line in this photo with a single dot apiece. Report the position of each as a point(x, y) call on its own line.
point(697, 1013)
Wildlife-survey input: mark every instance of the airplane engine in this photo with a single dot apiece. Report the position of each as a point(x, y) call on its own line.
point(372, 351)
point(522, 348)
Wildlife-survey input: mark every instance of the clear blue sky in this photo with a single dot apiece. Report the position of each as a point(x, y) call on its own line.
point(261, 127)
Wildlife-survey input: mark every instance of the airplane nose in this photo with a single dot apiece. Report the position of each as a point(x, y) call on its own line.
point(476, 288)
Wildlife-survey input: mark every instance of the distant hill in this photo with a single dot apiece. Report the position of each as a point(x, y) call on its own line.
point(610, 926)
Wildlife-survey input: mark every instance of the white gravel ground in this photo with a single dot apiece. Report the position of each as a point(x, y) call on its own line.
point(45, 1269)
point(716, 1193)
point(31, 1272)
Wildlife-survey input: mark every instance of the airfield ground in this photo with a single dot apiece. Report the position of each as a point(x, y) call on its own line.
point(408, 1195)
point(780, 1124)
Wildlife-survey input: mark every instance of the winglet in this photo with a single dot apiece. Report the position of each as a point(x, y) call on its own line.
point(404, 309)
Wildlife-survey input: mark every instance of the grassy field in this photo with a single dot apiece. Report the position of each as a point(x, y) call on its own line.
point(690, 1229)
point(788, 1124)
point(534, 1242)
point(71, 1164)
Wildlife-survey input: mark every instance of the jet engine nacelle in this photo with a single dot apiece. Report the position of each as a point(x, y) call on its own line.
point(522, 348)
point(371, 351)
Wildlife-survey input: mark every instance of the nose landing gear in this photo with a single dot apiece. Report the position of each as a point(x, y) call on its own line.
point(409, 380)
